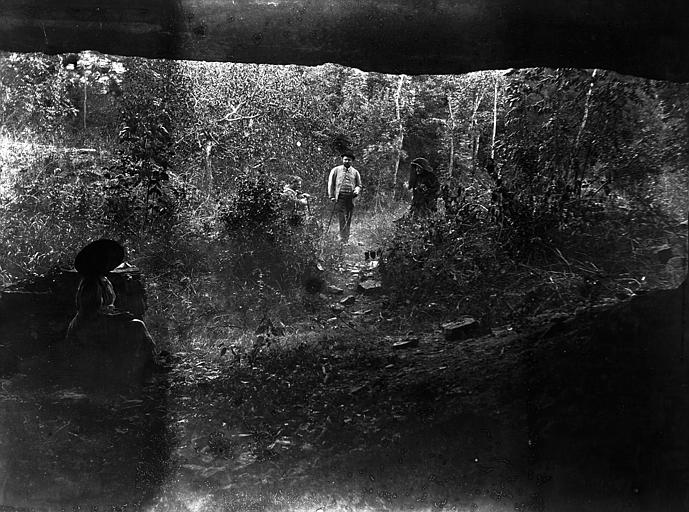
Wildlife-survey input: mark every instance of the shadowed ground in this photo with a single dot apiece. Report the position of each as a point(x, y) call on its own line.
point(585, 414)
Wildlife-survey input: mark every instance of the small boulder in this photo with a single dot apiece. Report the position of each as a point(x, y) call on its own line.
point(366, 275)
point(408, 343)
point(349, 299)
point(663, 253)
point(466, 327)
point(677, 263)
point(270, 328)
point(370, 287)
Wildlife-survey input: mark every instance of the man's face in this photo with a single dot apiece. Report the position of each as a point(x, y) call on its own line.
point(346, 161)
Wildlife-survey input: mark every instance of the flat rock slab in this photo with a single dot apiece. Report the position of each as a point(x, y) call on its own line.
point(677, 262)
point(663, 253)
point(366, 275)
point(462, 329)
point(370, 287)
point(408, 343)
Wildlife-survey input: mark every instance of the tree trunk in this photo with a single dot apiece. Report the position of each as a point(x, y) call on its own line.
point(209, 169)
point(400, 134)
point(451, 124)
point(378, 207)
point(85, 83)
point(472, 135)
point(575, 170)
point(495, 119)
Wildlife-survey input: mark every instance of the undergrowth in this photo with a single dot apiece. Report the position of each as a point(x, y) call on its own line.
point(209, 266)
point(466, 263)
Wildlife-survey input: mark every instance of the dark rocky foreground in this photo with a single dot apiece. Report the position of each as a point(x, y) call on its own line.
point(63, 445)
point(587, 413)
point(34, 315)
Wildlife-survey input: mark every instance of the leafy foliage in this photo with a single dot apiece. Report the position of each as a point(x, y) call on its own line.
point(192, 157)
point(35, 96)
point(568, 136)
point(141, 195)
point(265, 239)
point(48, 216)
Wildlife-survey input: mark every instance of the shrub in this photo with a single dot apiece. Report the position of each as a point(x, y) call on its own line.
point(465, 263)
point(52, 208)
point(265, 238)
point(439, 256)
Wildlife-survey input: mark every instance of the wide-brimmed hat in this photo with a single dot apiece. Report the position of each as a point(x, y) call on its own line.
point(423, 164)
point(99, 257)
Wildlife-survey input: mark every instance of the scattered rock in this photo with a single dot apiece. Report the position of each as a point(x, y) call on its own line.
point(72, 395)
point(334, 290)
point(462, 329)
point(337, 308)
point(313, 284)
point(663, 253)
point(349, 299)
point(270, 328)
point(366, 275)
point(370, 287)
point(502, 331)
point(409, 343)
point(358, 388)
point(279, 328)
point(677, 263)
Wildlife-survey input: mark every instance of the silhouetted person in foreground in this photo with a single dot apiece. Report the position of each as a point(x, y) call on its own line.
point(425, 188)
point(105, 346)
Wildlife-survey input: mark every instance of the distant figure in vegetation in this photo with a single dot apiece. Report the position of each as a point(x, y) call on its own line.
point(344, 185)
point(424, 186)
point(296, 202)
point(105, 345)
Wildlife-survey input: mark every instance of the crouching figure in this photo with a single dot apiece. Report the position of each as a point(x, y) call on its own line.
point(105, 347)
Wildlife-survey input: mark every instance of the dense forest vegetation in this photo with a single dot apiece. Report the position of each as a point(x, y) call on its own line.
point(563, 177)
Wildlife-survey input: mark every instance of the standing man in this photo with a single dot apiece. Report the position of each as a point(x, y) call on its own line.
point(344, 184)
